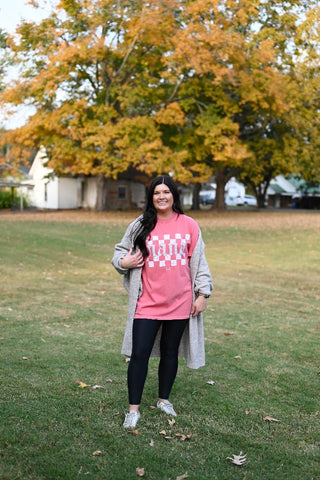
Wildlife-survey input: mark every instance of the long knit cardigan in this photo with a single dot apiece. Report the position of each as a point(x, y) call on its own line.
point(192, 342)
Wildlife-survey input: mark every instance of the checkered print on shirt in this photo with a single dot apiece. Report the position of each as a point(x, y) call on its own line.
point(168, 251)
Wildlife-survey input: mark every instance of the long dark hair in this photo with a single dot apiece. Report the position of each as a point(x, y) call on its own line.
point(149, 218)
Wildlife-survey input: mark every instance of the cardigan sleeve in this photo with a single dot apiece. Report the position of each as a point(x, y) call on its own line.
point(121, 249)
point(202, 280)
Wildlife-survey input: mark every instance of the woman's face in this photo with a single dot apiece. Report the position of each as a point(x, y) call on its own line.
point(163, 200)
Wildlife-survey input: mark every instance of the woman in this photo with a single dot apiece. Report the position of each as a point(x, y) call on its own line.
point(168, 280)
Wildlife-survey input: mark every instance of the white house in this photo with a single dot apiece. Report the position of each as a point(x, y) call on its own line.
point(280, 192)
point(66, 192)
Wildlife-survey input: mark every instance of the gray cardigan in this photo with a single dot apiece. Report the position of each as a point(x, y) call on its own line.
point(192, 343)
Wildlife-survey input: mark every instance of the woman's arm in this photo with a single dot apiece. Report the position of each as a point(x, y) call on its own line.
point(123, 258)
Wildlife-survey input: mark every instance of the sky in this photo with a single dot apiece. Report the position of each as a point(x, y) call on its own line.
point(13, 11)
point(11, 14)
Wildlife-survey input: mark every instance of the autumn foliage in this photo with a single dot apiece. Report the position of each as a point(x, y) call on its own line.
point(195, 88)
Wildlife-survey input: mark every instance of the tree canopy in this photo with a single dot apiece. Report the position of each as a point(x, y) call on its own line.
point(195, 88)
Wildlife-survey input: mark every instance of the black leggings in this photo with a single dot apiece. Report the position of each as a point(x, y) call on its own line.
point(143, 337)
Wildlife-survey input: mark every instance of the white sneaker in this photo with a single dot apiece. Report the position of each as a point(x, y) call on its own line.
point(131, 419)
point(167, 408)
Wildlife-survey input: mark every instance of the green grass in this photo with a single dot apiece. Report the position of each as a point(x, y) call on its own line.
point(62, 316)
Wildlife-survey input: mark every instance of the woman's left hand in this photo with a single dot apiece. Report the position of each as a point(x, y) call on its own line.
point(199, 305)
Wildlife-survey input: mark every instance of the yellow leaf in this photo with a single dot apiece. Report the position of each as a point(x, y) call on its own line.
point(82, 384)
point(97, 453)
point(171, 422)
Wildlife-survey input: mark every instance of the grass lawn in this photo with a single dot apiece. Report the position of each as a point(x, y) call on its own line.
point(62, 316)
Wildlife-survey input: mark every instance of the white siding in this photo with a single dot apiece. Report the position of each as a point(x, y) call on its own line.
point(90, 193)
point(68, 193)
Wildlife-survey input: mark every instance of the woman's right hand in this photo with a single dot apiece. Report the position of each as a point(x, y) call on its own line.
point(132, 260)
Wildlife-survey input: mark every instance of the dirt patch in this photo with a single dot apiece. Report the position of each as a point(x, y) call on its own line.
point(231, 219)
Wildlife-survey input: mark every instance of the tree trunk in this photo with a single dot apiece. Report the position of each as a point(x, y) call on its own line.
point(195, 197)
point(101, 203)
point(261, 192)
point(221, 180)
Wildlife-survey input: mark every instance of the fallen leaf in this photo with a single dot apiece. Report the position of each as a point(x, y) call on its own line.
point(133, 432)
point(237, 357)
point(97, 453)
point(96, 387)
point(109, 380)
point(226, 332)
point(183, 437)
point(181, 477)
point(25, 358)
point(82, 384)
point(153, 406)
point(140, 472)
point(163, 432)
point(151, 443)
point(211, 382)
point(248, 412)
point(271, 419)
point(238, 459)
point(171, 422)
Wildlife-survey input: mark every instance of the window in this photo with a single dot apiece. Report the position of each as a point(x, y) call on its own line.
point(122, 192)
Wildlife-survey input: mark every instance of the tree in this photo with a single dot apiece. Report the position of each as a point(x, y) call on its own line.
point(93, 73)
point(3, 57)
point(233, 63)
point(278, 132)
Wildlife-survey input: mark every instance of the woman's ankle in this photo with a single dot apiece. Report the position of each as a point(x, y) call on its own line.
point(134, 408)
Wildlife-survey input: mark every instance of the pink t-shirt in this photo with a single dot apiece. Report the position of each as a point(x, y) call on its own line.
point(166, 280)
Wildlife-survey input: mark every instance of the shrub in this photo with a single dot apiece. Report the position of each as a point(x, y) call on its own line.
point(7, 200)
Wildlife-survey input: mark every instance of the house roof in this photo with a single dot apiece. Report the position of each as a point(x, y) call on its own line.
point(276, 188)
point(15, 184)
point(311, 188)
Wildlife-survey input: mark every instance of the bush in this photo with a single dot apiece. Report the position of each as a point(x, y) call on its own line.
point(9, 201)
